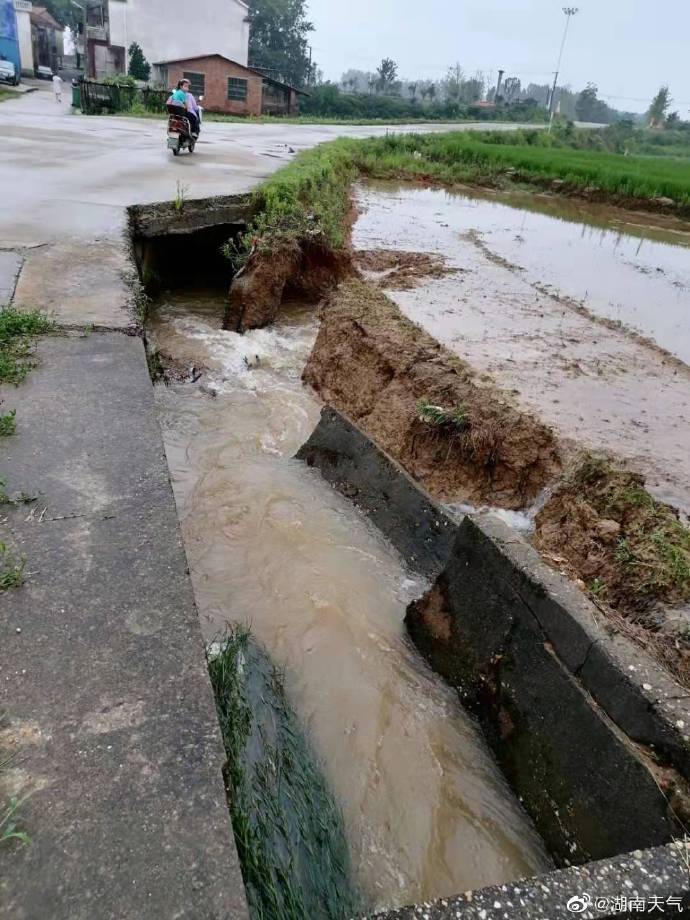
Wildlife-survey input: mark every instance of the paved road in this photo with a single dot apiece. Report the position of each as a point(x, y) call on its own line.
point(66, 174)
point(67, 179)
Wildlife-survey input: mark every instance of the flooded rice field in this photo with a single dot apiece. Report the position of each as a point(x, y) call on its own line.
point(582, 311)
point(271, 545)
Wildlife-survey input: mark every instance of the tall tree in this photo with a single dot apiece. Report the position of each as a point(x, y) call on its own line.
point(139, 67)
point(452, 85)
point(278, 39)
point(659, 107)
point(64, 13)
point(387, 75)
point(511, 89)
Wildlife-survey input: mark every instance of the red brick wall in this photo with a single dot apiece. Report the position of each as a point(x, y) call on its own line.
point(217, 72)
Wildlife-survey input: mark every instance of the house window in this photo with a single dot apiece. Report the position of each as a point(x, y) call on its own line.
point(237, 89)
point(197, 82)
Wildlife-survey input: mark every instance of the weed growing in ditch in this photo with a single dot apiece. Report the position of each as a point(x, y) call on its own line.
point(9, 822)
point(9, 815)
point(11, 569)
point(455, 418)
point(17, 333)
point(288, 829)
point(180, 196)
point(8, 424)
point(648, 557)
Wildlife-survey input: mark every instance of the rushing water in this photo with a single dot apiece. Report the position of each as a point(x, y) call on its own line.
point(270, 544)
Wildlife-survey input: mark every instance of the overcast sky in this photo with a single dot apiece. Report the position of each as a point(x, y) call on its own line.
point(627, 47)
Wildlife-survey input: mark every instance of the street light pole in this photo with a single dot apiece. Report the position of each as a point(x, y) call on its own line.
point(569, 11)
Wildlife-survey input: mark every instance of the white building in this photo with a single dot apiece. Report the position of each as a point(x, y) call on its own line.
point(23, 10)
point(165, 30)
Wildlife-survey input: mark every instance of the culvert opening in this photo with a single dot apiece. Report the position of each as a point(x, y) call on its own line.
point(174, 261)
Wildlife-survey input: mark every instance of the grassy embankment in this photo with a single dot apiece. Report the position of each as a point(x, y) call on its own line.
point(288, 829)
point(312, 194)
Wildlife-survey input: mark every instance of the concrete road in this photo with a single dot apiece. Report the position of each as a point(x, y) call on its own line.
point(68, 174)
point(67, 179)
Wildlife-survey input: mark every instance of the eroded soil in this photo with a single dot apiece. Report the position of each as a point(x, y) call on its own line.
point(401, 271)
point(535, 307)
point(379, 368)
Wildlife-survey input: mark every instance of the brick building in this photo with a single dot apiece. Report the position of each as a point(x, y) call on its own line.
point(228, 87)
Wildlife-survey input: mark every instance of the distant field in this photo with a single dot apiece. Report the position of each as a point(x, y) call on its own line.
point(456, 157)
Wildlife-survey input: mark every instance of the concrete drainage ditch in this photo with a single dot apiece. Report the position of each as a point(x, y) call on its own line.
point(590, 733)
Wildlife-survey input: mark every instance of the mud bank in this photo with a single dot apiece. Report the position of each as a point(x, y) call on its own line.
point(291, 269)
point(376, 366)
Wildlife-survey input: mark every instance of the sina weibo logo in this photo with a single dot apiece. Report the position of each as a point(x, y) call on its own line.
point(579, 903)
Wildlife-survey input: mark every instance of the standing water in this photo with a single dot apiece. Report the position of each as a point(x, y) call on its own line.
point(270, 544)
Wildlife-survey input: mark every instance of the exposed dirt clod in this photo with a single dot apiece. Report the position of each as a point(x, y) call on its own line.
point(379, 368)
point(289, 268)
point(257, 290)
point(630, 551)
point(398, 270)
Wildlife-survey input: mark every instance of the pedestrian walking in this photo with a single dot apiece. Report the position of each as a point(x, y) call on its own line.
point(57, 87)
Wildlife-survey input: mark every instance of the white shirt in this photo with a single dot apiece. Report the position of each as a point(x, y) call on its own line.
point(57, 84)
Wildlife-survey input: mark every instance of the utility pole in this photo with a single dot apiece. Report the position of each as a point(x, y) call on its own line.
point(569, 11)
point(498, 85)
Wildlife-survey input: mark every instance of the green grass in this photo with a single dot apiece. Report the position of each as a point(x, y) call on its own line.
point(439, 417)
point(459, 157)
point(10, 830)
point(310, 197)
point(11, 569)
point(652, 554)
point(288, 829)
point(6, 94)
point(8, 423)
point(17, 335)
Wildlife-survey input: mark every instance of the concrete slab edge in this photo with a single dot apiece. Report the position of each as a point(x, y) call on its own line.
point(651, 882)
point(635, 692)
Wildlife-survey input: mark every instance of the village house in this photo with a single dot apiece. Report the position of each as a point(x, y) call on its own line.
point(164, 29)
point(47, 40)
point(36, 38)
point(228, 87)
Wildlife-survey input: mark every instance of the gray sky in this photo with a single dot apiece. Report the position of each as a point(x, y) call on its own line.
point(627, 47)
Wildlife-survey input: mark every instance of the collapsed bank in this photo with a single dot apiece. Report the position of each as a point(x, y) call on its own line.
point(510, 634)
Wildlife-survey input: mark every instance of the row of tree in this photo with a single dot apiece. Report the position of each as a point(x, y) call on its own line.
point(459, 88)
point(279, 45)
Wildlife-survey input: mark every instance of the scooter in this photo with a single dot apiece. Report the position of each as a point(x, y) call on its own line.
point(180, 135)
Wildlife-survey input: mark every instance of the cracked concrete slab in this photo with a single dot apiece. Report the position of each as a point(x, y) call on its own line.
point(78, 284)
point(110, 718)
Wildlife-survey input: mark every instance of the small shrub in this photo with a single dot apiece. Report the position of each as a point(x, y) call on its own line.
point(11, 569)
point(8, 424)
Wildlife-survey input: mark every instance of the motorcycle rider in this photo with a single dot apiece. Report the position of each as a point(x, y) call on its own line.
point(185, 99)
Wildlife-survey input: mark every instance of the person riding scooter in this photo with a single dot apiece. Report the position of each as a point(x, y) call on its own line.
point(183, 98)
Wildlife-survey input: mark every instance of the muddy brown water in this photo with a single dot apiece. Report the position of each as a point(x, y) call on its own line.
point(270, 544)
point(537, 283)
